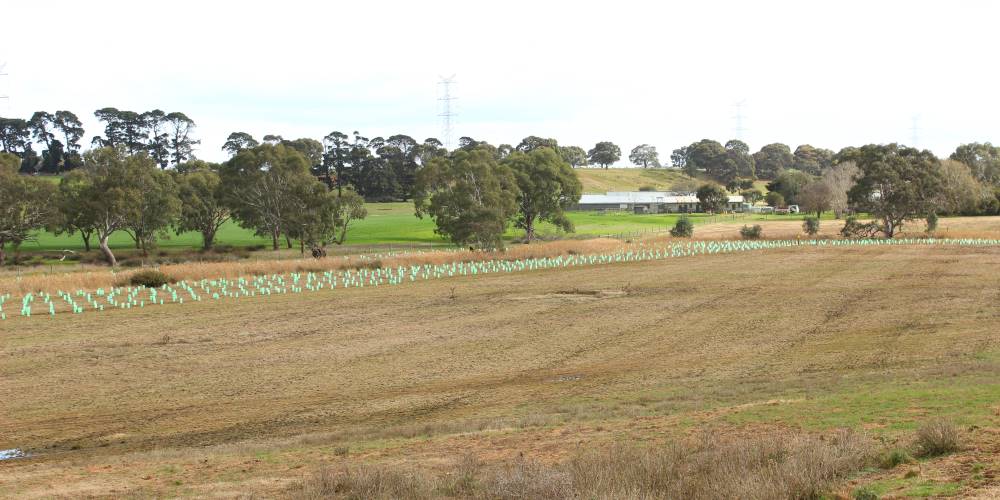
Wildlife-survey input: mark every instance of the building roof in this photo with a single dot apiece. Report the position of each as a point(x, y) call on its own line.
point(630, 197)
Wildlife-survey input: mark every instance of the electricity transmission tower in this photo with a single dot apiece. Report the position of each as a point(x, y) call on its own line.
point(447, 113)
point(739, 130)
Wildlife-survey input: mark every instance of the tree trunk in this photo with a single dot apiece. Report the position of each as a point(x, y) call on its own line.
point(208, 239)
point(288, 242)
point(302, 247)
point(106, 250)
point(529, 228)
point(86, 240)
point(274, 239)
point(3, 255)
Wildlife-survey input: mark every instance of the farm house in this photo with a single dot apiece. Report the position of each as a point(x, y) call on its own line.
point(652, 202)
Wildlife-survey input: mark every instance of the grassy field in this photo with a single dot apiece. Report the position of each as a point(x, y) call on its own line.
point(395, 224)
point(599, 180)
point(260, 395)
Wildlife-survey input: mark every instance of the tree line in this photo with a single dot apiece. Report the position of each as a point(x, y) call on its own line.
point(290, 190)
point(268, 189)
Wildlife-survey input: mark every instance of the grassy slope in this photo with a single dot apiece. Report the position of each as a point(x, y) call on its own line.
point(838, 337)
point(598, 180)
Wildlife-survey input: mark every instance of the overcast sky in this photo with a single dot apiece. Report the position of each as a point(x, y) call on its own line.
point(830, 74)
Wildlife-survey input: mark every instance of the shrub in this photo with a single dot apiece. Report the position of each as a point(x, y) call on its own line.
point(864, 493)
point(751, 232)
point(775, 199)
point(895, 457)
point(683, 228)
point(149, 278)
point(811, 226)
point(647, 188)
point(937, 437)
point(766, 466)
point(932, 222)
point(854, 229)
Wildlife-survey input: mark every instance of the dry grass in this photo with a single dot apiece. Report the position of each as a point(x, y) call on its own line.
point(89, 277)
point(937, 437)
point(93, 277)
point(236, 397)
point(775, 466)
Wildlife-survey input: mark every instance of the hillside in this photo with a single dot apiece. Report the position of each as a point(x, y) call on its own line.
point(597, 180)
point(255, 397)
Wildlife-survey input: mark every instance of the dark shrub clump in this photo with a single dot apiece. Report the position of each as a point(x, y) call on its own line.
point(683, 228)
point(149, 278)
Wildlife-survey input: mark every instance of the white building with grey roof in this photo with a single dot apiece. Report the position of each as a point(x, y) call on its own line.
point(653, 202)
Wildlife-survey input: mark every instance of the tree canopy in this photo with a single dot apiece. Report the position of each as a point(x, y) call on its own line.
point(546, 185)
point(895, 184)
point(604, 154)
point(470, 197)
point(644, 155)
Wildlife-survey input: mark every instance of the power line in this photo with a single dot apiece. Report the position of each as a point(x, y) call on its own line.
point(447, 114)
point(739, 129)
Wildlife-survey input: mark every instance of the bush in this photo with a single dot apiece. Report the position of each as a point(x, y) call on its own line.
point(854, 229)
point(932, 222)
point(896, 457)
point(865, 493)
point(647, 188)
point(149, 278)
point(937, 437)
point(751, 232)
point(811, 226)
point(765, 466)
point(683, 228)
point(775, 199)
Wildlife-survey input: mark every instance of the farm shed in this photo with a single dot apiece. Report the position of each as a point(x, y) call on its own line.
point(652, 202)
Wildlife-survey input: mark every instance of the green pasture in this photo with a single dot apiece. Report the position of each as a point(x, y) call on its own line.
point(394, 223)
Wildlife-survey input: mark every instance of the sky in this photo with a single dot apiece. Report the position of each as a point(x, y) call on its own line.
point(826, 73)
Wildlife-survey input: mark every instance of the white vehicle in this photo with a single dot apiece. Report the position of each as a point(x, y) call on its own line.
point(793, 209)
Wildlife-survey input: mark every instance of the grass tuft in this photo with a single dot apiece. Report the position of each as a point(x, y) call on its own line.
point(937, 437)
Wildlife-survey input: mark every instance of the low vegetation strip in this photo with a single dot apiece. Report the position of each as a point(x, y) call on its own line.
point(772, 466)
point(375, 275)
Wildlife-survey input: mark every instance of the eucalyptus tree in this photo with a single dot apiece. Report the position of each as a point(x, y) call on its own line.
point(533, 142)
point(983, 159)
point(260, 184)
point(127, 129)
point(895, 183)
point(203, 204)
point(469, 196)
point(336, 159)
point(547, 186)
point(180, 143)
point(110, 191)
point(155, 211)
point(238, 141)
point(15, 136)
point(574, 155)
point(713, 198)
point(604, 153)
point(772, 160)
point(812, 160)
point(27, 204)
point(645, 155)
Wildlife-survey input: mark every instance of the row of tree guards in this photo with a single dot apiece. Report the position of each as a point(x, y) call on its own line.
point(80, 301)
